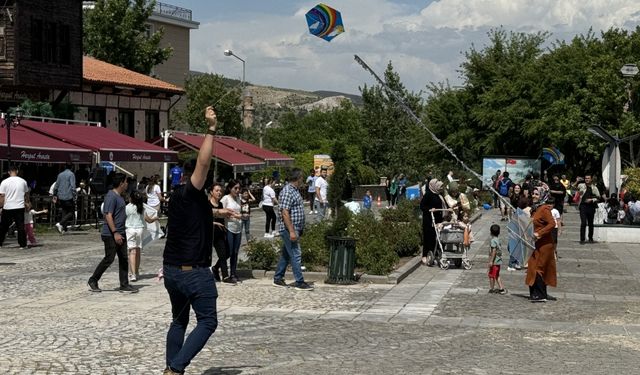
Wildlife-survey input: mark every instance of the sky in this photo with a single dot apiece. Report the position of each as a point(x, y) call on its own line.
point(424, 40)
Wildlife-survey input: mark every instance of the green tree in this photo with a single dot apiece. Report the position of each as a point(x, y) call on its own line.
point(116, 31)
point(210, 89)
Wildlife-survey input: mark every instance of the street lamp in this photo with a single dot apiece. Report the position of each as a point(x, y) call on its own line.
point(11, 120)
point(228, 52)
point(262, 128)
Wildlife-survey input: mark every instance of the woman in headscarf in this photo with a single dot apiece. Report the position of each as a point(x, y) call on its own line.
point(542, 264)
point(432, 199)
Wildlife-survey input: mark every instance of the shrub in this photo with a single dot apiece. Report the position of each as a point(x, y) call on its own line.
point(313, 245)
point(375, 256)
point(374, 251)
point(406, 211)
point(632, 184)
point(263, 255)
point(404, 237)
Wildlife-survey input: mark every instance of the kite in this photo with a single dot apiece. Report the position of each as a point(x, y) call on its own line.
point(324, 22)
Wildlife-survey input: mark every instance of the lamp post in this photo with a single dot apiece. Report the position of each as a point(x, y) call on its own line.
point(262, 128)
point(628, 71)
point(10, 120)
point(228, 52)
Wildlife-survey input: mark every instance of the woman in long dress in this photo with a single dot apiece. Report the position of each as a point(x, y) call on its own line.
point(432, 199)
point(541, 271)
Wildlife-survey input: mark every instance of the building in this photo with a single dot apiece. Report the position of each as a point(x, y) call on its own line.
point(177, 23)
point(40, 48)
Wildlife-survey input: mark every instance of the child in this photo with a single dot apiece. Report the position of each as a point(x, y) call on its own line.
point(28, 221)
point(495, 260)
point(367, 199)
point(468, 234)
point(135, 224)
point(246, 198)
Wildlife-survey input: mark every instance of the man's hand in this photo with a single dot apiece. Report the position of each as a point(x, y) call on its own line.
point(210, 115)
point(293, 236)
point(118, 238)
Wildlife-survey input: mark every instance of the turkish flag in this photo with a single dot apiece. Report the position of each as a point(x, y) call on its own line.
point(512, 161)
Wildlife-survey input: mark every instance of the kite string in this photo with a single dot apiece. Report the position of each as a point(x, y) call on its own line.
point(417, 120)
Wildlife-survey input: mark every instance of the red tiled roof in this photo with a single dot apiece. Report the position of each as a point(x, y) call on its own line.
point(96, 71)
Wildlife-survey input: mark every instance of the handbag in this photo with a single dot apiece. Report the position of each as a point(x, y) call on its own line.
point(576, 197)
point(260, 204)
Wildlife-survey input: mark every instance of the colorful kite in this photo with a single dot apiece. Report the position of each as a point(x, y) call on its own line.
point(553, 155)
point(324, 22)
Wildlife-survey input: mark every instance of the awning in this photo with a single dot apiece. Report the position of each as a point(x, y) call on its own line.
point(28, 146)
point(272, 158)
point(239, 161)
point(111, 145)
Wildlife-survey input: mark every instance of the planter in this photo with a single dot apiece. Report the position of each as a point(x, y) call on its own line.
point(342, 260)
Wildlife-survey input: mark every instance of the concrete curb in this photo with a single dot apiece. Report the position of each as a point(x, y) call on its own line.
point(394, 277)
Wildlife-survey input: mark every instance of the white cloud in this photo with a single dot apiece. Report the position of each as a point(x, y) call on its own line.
point(424, 46)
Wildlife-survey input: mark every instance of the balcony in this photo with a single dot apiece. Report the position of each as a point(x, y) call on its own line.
point(173, 11)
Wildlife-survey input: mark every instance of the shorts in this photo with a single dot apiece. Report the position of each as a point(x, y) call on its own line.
point(134, 238)
point(494, 271)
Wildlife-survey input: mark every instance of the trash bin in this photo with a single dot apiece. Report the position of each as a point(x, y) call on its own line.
point(342, 260)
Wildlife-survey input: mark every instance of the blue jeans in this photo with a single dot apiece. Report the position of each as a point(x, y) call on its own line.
point(246, 224)
point(196, 289)
point(322, 210)
point(233, 242)
point(290, 254)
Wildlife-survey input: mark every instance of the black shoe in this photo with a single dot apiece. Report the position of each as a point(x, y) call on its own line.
point(502, 291)
point(538, 299)
point(303, 286)
point(229, 280)
point(216, 274)
point(93, 286)
point(492, 291)
point(551, 298)
point(128, 288)
point(582, 242)
point(592, 241)
point(281, 283)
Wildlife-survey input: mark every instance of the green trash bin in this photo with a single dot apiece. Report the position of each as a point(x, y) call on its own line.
point(342, 260)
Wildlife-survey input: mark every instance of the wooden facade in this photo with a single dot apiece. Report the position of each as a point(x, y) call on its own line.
point(40, 46)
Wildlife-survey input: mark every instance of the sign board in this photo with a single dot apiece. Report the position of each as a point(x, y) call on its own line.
point(323, 161)
point(629, 70)
point(517, 168)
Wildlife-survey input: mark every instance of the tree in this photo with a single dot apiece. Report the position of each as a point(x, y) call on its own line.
point(116, 31)
point(210, 89)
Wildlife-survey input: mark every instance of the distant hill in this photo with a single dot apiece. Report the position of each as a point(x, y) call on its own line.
point(355, 99)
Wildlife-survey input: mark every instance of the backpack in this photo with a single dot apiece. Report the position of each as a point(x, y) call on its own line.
point(612, 215)
point(504, 187)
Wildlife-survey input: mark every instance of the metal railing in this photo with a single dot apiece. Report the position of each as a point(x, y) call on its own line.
point(173, 11)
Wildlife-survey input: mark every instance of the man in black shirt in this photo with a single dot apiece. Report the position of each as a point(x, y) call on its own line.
point(187, 259)
point(558, 192)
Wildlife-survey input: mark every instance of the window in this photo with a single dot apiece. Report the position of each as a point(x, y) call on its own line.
point(98, 115)
point(51, 43)
point(125, 123)
point(36, 39)
point(65, 44)
point(151, 125)
point(3, 44)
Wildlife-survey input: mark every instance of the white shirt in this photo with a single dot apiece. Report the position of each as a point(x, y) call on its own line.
point(14, 188)
point(28, 216)
point(152, 198)
point(233, 225)
point(322, 184)
point(267, 195)
point(556, 215)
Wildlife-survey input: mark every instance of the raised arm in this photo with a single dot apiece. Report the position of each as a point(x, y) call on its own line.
point(204, 154)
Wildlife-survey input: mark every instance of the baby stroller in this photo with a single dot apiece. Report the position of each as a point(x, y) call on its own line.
point(450, 244)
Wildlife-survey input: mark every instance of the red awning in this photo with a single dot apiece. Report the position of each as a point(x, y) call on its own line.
point(272, 158)
point(239, 161)
point(111, 145)
point(28, 146)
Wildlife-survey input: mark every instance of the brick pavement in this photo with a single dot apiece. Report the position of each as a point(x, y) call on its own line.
point(434, 322)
